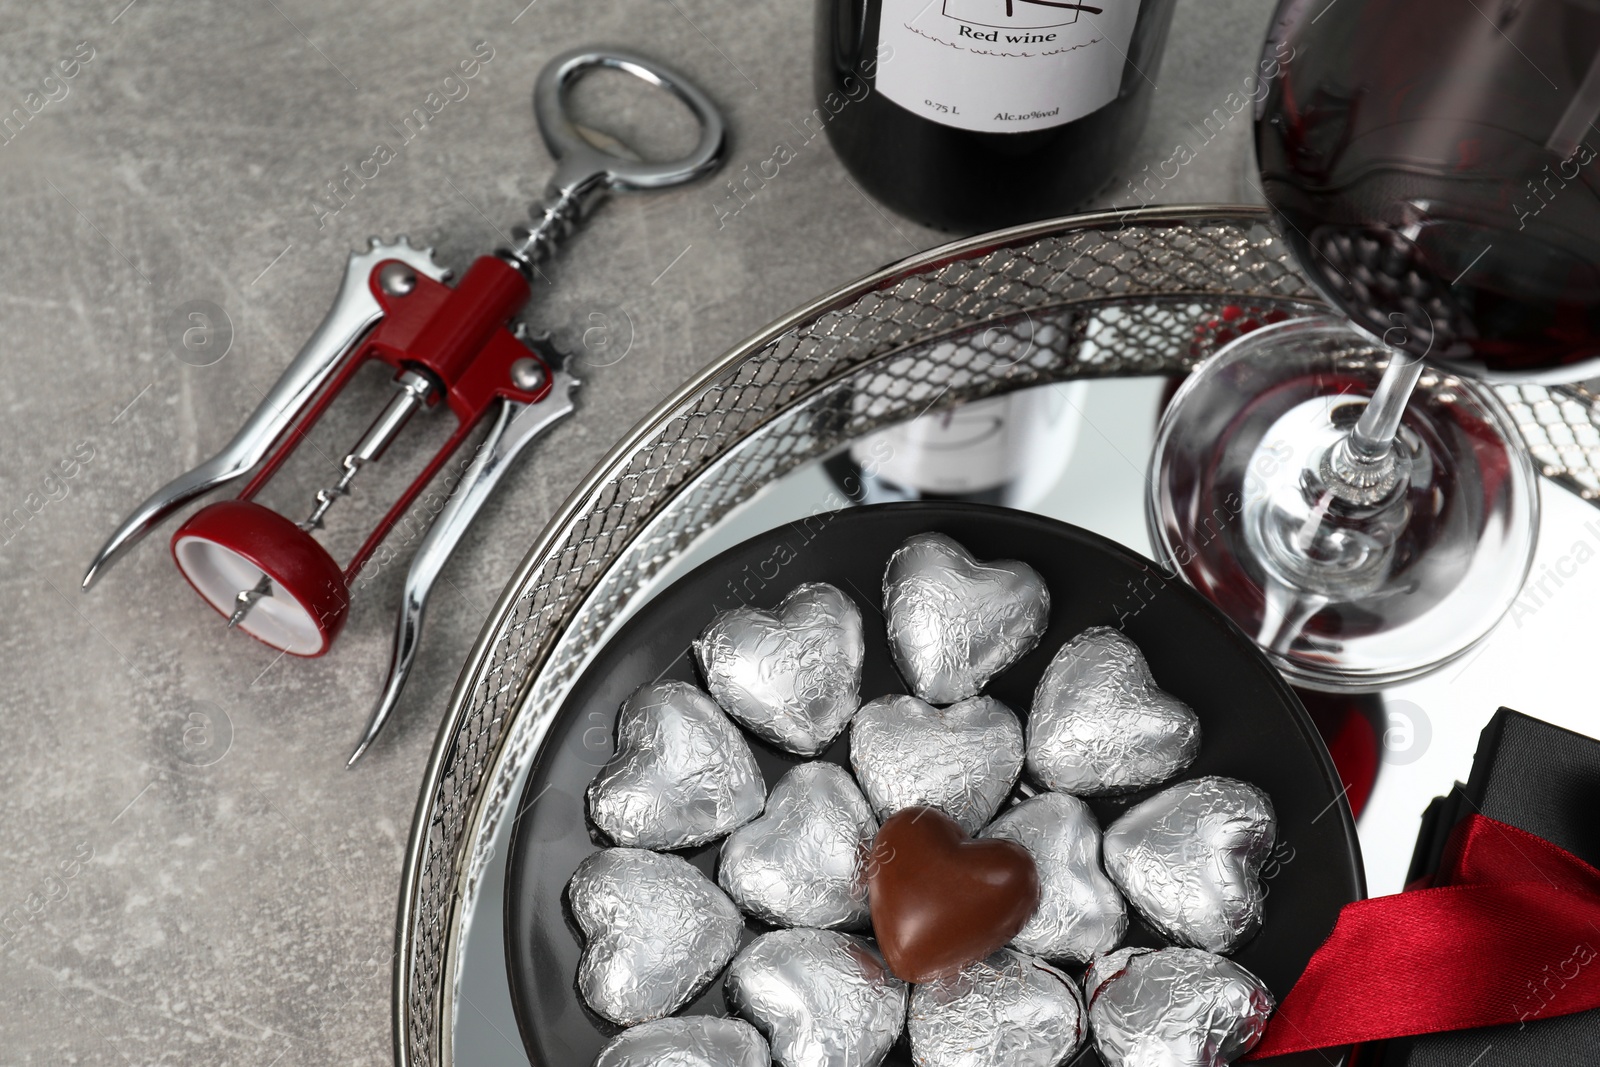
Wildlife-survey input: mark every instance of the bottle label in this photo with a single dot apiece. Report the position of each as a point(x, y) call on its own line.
point(1004, 66)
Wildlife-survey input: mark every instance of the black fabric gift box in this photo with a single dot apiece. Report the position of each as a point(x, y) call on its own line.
point(1545, 780)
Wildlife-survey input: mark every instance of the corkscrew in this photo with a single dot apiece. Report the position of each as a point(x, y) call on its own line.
point(448, 347)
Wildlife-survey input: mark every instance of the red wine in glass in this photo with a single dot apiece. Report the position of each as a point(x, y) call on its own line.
point(1345, 490)
point(1436, 166)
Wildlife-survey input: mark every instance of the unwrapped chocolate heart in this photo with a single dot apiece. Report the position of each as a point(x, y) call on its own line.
point(963, 759)
point(824, 999)
point(1080, 912)
point(1189, 858)
point(1176, 1007)
point(1009, 1010)
point(683, 773)
point(800, 863)
point(954, 623)
point(655, 932)
point(693, 1041)
point(941, 900)
point(792, 677)
point(1099, 723)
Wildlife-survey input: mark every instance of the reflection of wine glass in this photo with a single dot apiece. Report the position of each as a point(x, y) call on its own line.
point(1339, 488)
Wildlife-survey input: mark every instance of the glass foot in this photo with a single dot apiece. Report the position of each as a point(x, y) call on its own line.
point(1352, 569)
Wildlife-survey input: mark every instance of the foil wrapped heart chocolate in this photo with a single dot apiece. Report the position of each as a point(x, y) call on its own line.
point(962, 759)
point(655, 931)
point(1177, 1007)
point(941, 900)
point(954, 622)
point(800, 863)
point(1189, 859)
point(1009, 1010)
point(1099, 723)
point(791, 677)
point(822, 998)
point(693, 1041)
point(683, 773)
point(1080, 913)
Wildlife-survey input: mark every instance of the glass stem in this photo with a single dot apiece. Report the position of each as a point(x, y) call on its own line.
point(1373, 437)
point(1365, 468)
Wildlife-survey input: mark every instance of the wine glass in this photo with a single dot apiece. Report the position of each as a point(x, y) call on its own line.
point(1351, 490)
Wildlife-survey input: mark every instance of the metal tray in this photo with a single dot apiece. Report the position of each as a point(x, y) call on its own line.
point(1148, 292)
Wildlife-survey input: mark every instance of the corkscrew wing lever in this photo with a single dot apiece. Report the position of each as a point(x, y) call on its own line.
point(515, 427)
point(354, 312)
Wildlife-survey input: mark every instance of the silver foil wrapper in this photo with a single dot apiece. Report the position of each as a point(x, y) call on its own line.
point(692, 1041)
point(1174, 1007)
point(683, 773)
point(655, 932)
point(962, 759)
point(954, 623)
point(1189, 858)
point(1081, 914)
point(1009, 1010)
point(800, 863)
point(792, 677)
point(822, 998)
point(1100, 725)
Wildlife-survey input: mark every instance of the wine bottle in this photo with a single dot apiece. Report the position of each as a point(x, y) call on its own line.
point(968, 115)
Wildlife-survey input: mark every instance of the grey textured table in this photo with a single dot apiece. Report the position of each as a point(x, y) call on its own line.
point(188, 874)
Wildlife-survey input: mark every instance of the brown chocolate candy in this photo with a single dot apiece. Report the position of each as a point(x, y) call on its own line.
point(941, 900)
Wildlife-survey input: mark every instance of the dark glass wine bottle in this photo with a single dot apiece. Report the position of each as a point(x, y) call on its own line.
point(969, 115)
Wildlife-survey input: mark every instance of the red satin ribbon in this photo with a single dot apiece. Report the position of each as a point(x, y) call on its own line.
point(1508, 931)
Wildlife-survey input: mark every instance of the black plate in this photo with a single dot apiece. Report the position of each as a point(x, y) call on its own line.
point(1252, 727)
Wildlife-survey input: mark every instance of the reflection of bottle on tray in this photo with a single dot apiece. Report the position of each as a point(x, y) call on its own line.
point(1007, 450)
